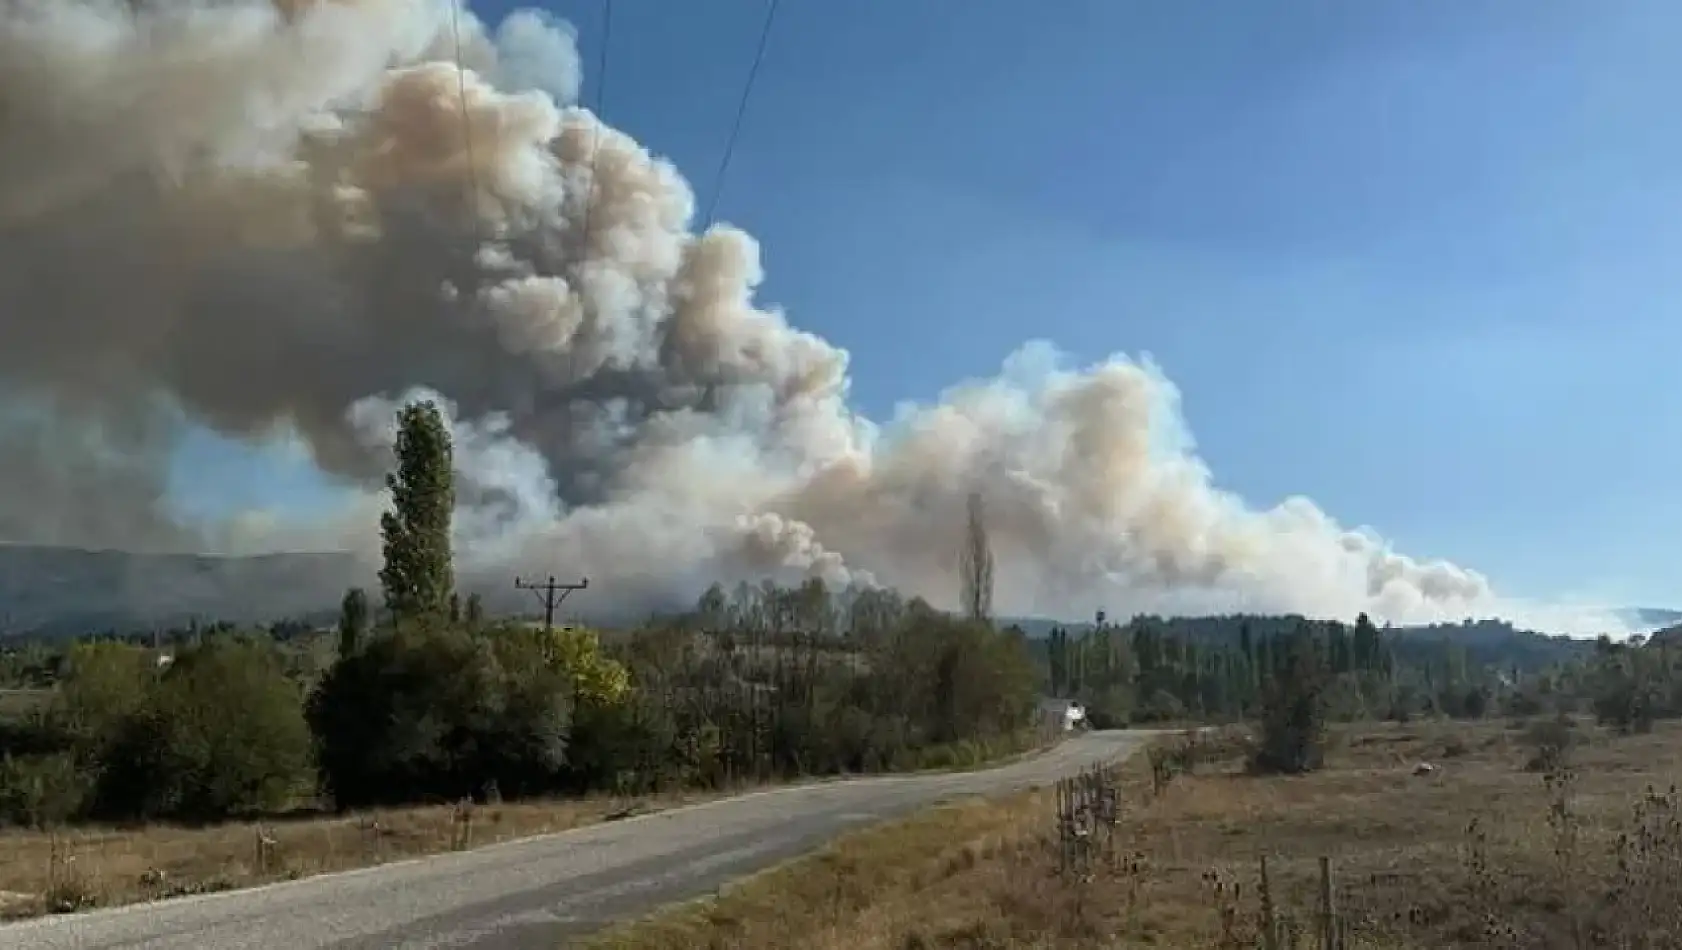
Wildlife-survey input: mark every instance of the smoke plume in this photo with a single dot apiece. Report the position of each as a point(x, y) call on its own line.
point(281, 218)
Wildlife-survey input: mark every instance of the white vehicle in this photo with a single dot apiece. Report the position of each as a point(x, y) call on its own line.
point(1064, 714)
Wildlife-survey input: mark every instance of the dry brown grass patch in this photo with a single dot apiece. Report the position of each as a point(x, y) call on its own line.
point(1413, 868)
point(922, 882)
point(84, 867)
point(829, 890)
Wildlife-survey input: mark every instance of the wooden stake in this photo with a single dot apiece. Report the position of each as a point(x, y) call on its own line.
point(1328, 909)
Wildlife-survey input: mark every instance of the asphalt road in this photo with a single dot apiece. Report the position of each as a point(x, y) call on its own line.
point(534, 893)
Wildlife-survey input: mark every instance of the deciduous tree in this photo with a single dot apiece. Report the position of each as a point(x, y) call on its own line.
point(976, 564)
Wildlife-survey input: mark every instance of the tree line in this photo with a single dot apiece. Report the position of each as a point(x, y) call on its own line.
point(423, 698)
point(1152, 669)
point(758, 682)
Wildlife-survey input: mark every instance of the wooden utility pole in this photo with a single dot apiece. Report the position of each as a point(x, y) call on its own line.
point(547, 592)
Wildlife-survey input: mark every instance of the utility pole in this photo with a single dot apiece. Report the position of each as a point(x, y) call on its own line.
point(546, 592)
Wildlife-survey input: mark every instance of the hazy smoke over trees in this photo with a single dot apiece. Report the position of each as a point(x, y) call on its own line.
point(262, 216)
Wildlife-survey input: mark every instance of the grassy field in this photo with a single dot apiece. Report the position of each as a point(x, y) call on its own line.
point(1497, 845)
point(16, 703)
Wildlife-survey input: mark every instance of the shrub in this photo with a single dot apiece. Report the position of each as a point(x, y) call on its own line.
point(1523, 703)
point(40, 791)
point(1162, 706)
point(1293, 716)
point(610, 746)
point(104, 685)
point(1549, 742)
point(430, 712)
point(222, 734)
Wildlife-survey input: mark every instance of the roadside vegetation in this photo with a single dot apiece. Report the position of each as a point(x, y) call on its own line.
point(1524, 834)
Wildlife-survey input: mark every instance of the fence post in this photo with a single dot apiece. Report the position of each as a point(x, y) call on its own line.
point(1062, 827)
point(1328, 909)
point(1270, 924)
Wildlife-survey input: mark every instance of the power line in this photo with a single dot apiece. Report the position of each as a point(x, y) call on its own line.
point(546, 592)
point(601, 58)
point(466, 118)
point(596, 133)
point(741, 113)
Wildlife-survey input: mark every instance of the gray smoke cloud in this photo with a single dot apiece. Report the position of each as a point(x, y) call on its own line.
point(279, 219)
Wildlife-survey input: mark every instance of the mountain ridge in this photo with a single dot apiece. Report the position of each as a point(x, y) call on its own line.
point(51, 591)
point(62, 591)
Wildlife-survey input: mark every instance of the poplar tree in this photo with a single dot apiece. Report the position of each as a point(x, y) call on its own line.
point(975, 564)
point(418, 577)
point(353, 620)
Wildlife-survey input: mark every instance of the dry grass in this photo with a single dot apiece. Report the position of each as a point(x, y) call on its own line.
point(16, 703)
point(86, 867)
point(1479, 853)
point(824, 899)
point(79, 868)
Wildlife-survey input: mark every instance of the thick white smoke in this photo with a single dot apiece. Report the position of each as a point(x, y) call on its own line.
point(275, 218)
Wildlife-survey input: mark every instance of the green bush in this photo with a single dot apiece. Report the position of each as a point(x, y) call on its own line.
point(608, 743)
point(1549, 743)
point(1292, 732)
point(222, 734)
point(40, 791)
point(433, 713)
point(104, 685)
point(1162, 706)
point(36, 732)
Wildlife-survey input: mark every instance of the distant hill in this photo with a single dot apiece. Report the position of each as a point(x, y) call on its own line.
point(52, 591)
point(1668, 636)
point(1649, 618)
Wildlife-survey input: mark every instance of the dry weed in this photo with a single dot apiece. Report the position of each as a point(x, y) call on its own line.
point(1478, 851)
point(74, 869)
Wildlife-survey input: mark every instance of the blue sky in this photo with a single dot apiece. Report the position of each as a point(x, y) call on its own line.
point(1415, 260)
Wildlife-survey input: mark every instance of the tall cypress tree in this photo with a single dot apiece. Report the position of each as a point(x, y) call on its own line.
point(1365, 643)
point(418, 576)
point(353, 621)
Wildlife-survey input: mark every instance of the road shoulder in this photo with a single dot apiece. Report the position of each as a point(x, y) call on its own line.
point(820, 898)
